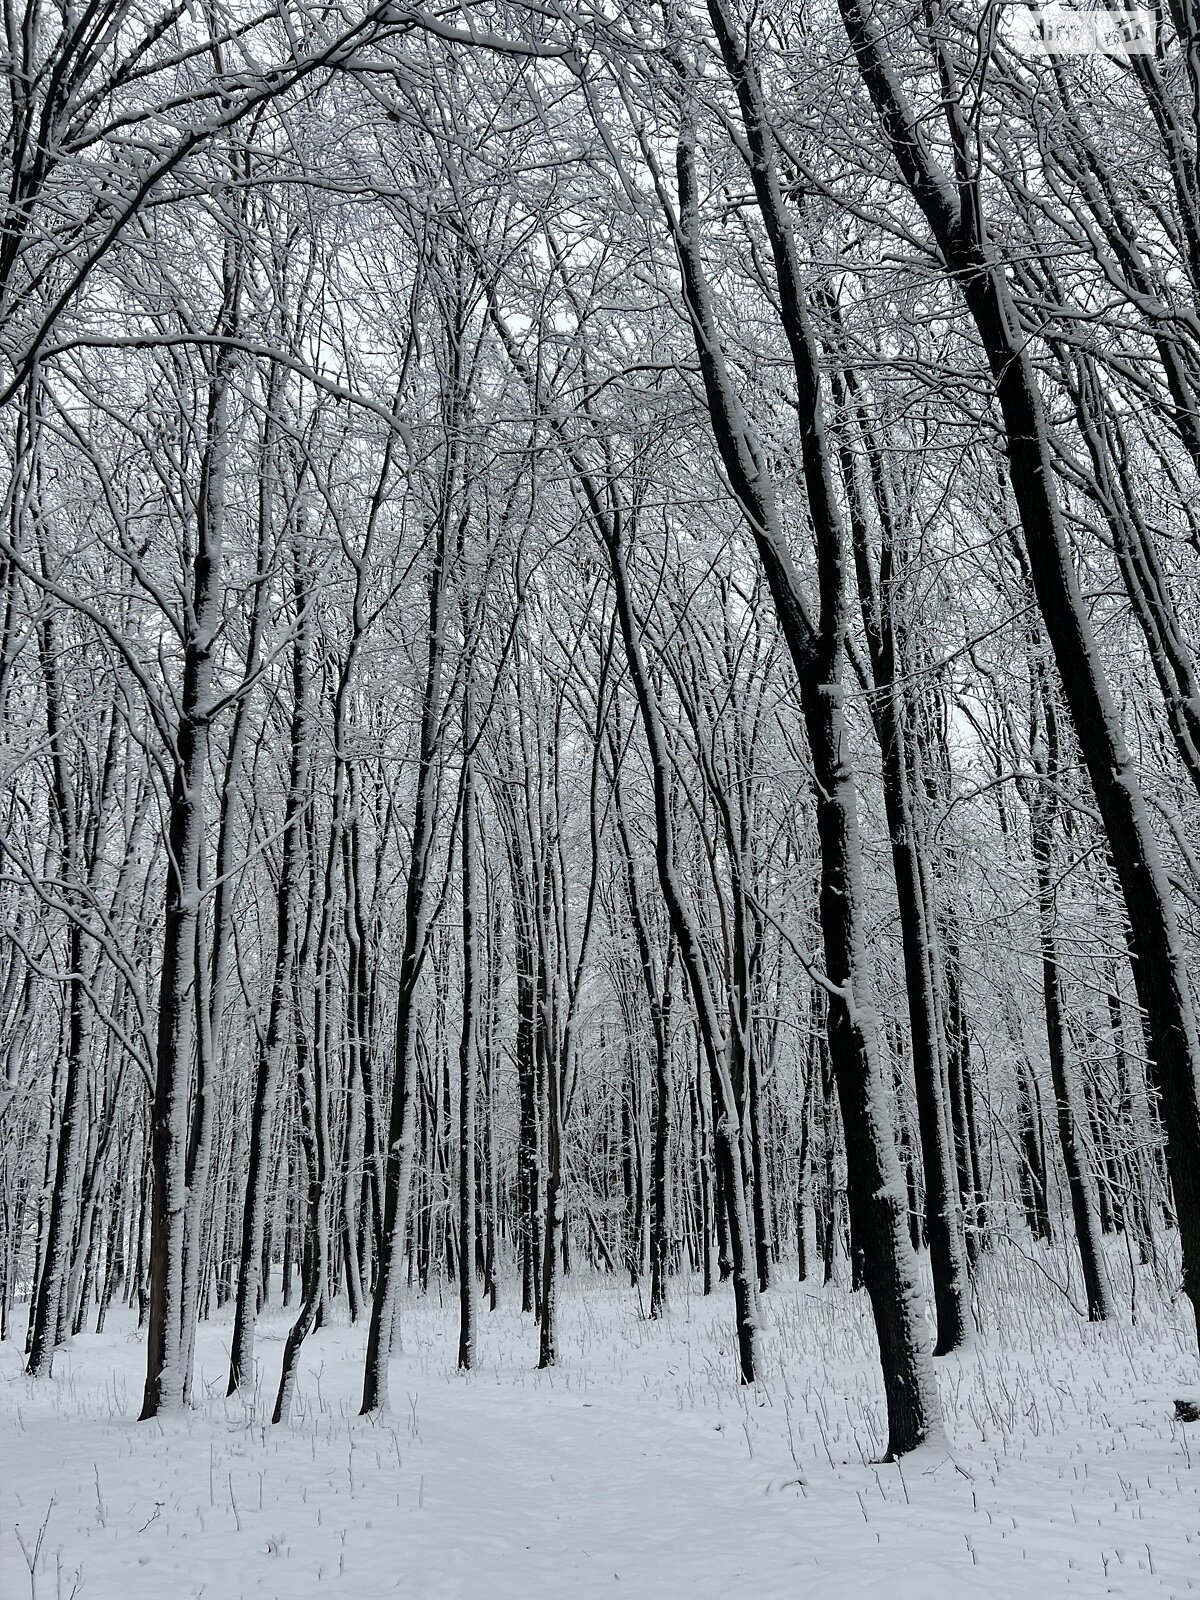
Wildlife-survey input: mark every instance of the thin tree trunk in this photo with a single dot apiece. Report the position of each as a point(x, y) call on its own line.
point(402, 1119)
point(468, 1056)
point(1080, 1183)
point(270, 1056)
point(168, 1343)
point(943, 1214)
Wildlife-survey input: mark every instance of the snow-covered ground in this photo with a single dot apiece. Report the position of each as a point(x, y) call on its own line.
point(637, 1468)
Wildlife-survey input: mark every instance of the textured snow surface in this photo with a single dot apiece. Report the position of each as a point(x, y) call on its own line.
point(637, 1468)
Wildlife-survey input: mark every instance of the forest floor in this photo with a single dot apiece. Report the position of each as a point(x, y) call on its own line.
point(638, 1467)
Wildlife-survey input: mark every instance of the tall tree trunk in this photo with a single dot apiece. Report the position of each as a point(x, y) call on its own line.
point(876, 1185)
point(68, 1122)
point(402, 1119)
point(468, 1054)
point(943, 1214)
point(1080, 1182)
point(270, 1056)
point(168, 1343)
point(1160, 972)
point(314, 1142)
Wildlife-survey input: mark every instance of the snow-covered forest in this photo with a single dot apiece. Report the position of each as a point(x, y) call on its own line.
point(599, 777)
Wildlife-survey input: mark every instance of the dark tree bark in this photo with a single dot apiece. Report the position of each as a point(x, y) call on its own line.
point(1159, 966)
point(1067, 1099)
point(876, 1186)
point(270, 1057)
point(468, 1055)
point(943, 1213)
